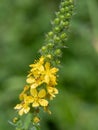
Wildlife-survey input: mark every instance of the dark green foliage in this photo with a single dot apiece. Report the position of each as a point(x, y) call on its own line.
point(23, 25)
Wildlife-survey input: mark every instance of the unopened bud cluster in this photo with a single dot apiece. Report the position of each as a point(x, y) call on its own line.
point(56, 38)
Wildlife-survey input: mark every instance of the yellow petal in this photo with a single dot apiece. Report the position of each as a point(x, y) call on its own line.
point(22, 96)
point(34, 92)
point(54, 70)
point(29, 99)
point(34, 85)
point(47, 79)
point(36, 120)
point(26, 88)
point(30, 80)
point(55, 91)
point(26, 110)
point(21, 112)
point(15, 119)
point(41, 60)
point(52, 90)
point(47, 65)
point(43, 102)
point(18, 106)
point(42, 93)
point(35, 104)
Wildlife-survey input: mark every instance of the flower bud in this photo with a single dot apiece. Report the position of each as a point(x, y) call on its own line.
point(50, 34)
point(71, 1)
point(68, 15)
point(67, 9)
point(57, 29)
point(15, 119)
point(62, 10)
point(50, 45)
point(63, 36)
point(66, 23)
point(57, 61)
point(56, 39)
point(44, 48)
point(57, 52)
point(66, 3)
point(62, 4)
point(62, 17)
point(71, 7)
point(56, 21)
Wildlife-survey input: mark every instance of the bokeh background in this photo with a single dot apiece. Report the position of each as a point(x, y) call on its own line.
point(23, 25)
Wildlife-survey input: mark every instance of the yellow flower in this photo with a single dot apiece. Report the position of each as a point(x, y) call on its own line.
point(21, 96)
point(15, 119)
point(50, 74)
point(38, 98)
point(23, 108)
point(41, 73)
point(36, 119)
point(35, 82)
point(38, 65)
point(52, 91)
point(35, 77)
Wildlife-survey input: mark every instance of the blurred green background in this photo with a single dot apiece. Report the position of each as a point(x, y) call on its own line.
point(23, 25)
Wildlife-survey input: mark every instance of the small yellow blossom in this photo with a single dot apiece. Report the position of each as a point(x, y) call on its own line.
point(15, 119)
point(34, 82)
point(52, 91)
point(50, 74)
point(40, 73)
point(38, 65)
point(36, 120)
point(23, 108)
point(21, 96)
point(38, 98)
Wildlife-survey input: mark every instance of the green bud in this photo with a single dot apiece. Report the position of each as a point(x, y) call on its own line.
point(67, 9)
point(71, 1)
point(57, 21)
point(50, 45)
point(50, 34)
point(44, 48)
point(62, 17)
point(57, 29)
point(63, 36)
point(66, 23)
point(57, 52)
point(66, 3)
point(68, 15)
point(71, 7)
point(62, 4)
point(57, 61)
point(62, 10)
point(56, 39)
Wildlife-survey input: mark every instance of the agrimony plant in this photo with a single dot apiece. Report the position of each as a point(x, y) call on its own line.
point(42, 79)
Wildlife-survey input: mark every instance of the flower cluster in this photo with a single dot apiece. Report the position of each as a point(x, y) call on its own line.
point(42, 78)
point(40, 87)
